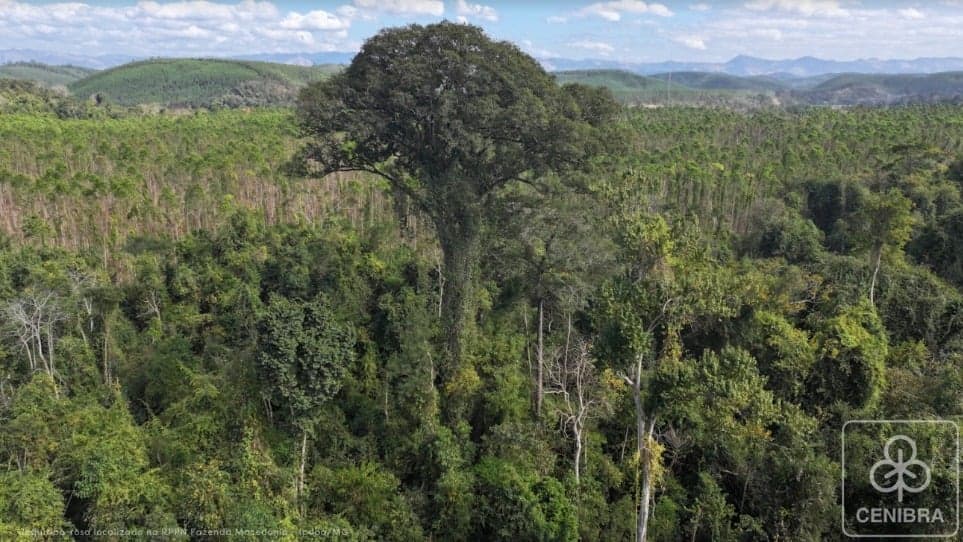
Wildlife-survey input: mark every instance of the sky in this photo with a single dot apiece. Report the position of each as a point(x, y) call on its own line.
point(619, 30)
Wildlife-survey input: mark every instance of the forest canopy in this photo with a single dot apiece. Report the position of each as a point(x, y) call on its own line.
point(669, 316)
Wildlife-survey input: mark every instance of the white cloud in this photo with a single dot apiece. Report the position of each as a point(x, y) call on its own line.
point(613, 11)
point(186, 10)
point(478, 11)
point(844, 29)
point(867, 32)
point(806, 8)
point(594, 46)
point(349, 12)
point(692, 42)
point(314, 20)
point(767, 33)
point(700, 7)
point(911, 13)
point(195, 27)
point(404, 7)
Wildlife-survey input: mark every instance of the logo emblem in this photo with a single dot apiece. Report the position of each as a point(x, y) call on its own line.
point(900, 468)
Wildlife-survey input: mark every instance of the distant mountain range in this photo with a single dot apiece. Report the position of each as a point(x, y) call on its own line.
point(746, 66)
point(741, 65)
point(9, 56)
point(302, 59)
point(709, 88)
point(102, 62)
point(223, 82)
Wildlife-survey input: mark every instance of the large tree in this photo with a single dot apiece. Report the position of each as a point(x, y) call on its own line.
point(449, 116)
point(302, 355)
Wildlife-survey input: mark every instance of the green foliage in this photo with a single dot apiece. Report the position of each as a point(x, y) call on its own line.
point(105, 456)
point(30, 503)
point(852, 365)
point(18, 96)
point(513, 505)
point(368, 497)
point(786, 354)
point(303, 352)
point(448, 116)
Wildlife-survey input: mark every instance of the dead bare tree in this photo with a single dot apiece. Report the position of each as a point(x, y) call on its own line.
point(572, 377)
point(33, 318)
point(152, 306)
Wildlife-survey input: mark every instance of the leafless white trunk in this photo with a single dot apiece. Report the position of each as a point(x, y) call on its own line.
point(573, 379)
point(540, 359)
point(33, 319)
point(872, 284)
point(304, 460)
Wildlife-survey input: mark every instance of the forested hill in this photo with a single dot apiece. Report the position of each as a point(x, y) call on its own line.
point(692, 88)
point(43, 73)
point(719, 88)
point(866, 89)
point(200, 83)
point(720, 81)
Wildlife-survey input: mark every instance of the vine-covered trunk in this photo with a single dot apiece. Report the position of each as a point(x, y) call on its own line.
point(644, 426)
point(459, 243)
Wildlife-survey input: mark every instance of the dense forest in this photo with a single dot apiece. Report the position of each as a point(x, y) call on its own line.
point(549, 318)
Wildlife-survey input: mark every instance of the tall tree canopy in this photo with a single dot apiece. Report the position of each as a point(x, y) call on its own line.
point(448, 116)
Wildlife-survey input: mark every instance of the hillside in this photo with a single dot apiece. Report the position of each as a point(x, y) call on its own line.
point(615, 80)
point(43, 73)
point(18, 96)
point(627, 87)
point(850, 89)
point(708, 89)
point(719, 81)
point(712, 88)
point(200, 83)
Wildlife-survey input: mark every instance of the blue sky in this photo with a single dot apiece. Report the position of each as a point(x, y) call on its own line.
point(624, 30)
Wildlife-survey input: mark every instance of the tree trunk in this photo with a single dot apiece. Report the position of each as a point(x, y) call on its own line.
point(645, 489)
point(459, 243)
point(106, 353)
point(50, 350)
point(872, 284)
point(540, 360)
point(304, 460)
point(578, 456)
point(644, 429)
